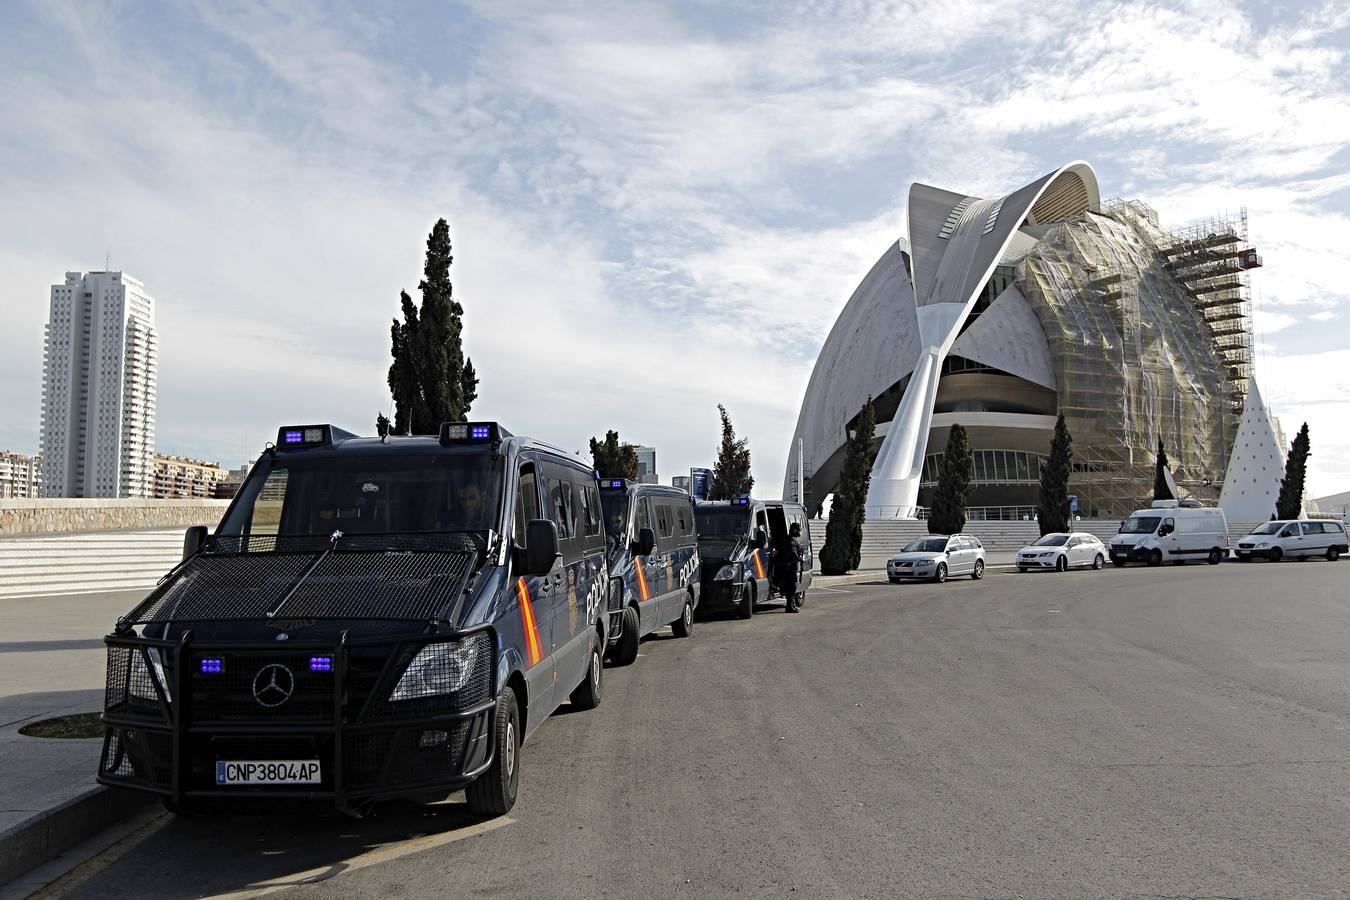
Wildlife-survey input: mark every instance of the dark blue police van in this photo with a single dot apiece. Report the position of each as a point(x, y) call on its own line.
point(736, 540)
point(733, 546)
point(653, 563)
point(373, 618)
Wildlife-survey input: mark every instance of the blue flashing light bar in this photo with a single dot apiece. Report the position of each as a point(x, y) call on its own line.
point(296, 436)
point(321, 663)
point(213, 666)
point(741, 501)
point(470, 432)
point(612, 483)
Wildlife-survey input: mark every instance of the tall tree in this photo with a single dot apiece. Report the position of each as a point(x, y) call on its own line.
point(1052, 510)
point(842, 551)
point(613, 459)
point(430, 378)
point(948, 515)
point(1161, 489)
point(731, 472)
point(1289, 505)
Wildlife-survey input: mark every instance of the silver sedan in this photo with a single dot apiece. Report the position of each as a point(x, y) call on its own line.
point(936, 557)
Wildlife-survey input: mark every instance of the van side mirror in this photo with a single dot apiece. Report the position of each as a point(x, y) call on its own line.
point(646, 542)
point(193, 540)
point(541, 547)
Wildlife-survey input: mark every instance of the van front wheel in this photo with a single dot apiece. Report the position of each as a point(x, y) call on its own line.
point(494, 792)
point(1155, 557)
point(587, 694)
point(1276, 554)
point(626, 647)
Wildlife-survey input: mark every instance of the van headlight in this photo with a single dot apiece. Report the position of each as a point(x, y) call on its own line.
point(729, 572)
point(438, 669)
point(139, 682)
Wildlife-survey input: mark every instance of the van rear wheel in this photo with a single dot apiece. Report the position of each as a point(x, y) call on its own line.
point(1333, 554)
point(1215, 556)
point(494, 792)
point(626, 647)
point(684, 625)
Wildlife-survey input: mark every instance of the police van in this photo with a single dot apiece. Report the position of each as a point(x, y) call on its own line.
point(372, 618)
point(1173, 531)
point(653, 563)
point(733, 545)
point(781, 517)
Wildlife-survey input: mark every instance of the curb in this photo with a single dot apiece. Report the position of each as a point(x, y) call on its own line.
point(47, 834)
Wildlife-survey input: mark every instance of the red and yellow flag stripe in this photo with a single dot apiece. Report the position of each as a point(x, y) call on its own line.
point(759, 564)
point(644, 593)
point(532, 646)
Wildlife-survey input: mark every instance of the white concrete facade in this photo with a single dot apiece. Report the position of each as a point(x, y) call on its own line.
point(99, 387)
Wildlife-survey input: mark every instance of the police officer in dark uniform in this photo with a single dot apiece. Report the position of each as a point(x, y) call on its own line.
point(787, 560)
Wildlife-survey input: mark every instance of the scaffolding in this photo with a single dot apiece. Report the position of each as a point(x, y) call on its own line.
point(1150, 336)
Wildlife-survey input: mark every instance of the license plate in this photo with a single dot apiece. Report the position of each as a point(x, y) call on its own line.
point(268, 771)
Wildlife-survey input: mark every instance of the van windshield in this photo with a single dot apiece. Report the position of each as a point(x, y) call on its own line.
point(1140, 525)
point(376, 494)
point(1269, 528)
point(725, 523)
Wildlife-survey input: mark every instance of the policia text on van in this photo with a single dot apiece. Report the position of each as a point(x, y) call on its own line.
point(372, 619)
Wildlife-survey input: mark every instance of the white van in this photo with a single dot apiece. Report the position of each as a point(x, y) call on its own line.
point(1295, 539)
point(1168, 530)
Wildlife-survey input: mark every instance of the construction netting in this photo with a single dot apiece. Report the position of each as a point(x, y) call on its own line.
point(1149, 331)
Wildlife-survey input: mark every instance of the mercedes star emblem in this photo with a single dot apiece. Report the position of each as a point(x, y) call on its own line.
point(273, 685)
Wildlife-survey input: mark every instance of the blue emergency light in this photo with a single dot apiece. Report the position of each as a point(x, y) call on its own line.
point(741, 501)
point(212, 666)
point(321, 663)
point(470, 432)
point(612, 483)
point(297, 436)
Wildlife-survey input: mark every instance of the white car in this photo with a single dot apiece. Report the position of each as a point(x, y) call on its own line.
point(936, 557)
point(1061, 551)
point(1278, 538)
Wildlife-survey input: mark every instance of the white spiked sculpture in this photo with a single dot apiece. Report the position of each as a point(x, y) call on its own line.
point(1252, 483)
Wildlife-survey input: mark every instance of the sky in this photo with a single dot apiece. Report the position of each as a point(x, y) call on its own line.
point(655, 207)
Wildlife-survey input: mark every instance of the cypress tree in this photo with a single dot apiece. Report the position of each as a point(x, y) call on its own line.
point(1053, 506)
point(430, 379)
point(1289, 505)
point(948, 515)
point(1161, 491)
point(612, 459)
point(731, 472)
point(842, 551)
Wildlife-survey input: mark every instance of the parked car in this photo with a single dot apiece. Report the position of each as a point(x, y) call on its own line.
point(1168, 530)
point(936, 557)
point(1061, 551)
point(1295, 539)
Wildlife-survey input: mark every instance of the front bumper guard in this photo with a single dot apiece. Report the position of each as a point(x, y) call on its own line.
point(368, 748)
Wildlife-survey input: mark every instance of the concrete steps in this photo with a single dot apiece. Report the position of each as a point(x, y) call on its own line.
point(42, 565)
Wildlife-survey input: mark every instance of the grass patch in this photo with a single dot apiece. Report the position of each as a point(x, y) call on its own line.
point(80, 725)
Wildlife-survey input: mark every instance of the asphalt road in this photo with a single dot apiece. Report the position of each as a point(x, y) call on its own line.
point(1156, 732)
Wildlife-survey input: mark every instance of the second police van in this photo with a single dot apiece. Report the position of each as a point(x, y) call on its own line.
point(653, 563)
point(372, 618)
point(736, 539)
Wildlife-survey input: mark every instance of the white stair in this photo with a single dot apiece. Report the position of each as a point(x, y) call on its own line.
point(42, 565)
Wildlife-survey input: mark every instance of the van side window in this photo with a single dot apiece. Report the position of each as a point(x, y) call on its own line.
point(1289, 531)
point(527, 501)
point(560, 506)
point(663, 519)
point(1311, 527)
point(682, 517)
point(644, 516)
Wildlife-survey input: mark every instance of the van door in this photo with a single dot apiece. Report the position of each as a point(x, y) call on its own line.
point(1315, 541)
point(648, 583)
point(1168, 543)
point(1291, 542)
point(809, 563)
point(562, 509)
point(534, 598)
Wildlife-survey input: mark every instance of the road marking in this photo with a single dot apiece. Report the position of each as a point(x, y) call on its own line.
point(832, 590)
point(382, 854)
